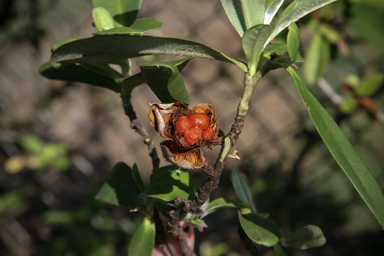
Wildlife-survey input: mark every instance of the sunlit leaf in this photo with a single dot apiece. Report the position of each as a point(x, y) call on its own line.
point(143, 239)
point(253, 44)
point(343, 152)
point(114, 48)
point(370, 85)
point(127, 84)
point(169, 182)
point(123, 12)
point(242, 190)
point(293, 41)
point(260, 230)
point(139, 27)
point(165, 81)
point(102, 19)
point(120, 188)
point(272, 10)
point(317, 57)
point(98, 75)
point(306, 237)
point(295, 11)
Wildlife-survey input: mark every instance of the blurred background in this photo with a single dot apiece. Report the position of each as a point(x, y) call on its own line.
point(58, 140)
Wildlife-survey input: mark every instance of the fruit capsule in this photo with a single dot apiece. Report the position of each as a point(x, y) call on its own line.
point(200, 120)
point(208, 133)
point(193, 135)
point(182, 125)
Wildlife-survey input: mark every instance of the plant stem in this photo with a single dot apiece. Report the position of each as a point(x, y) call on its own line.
point(213, 173)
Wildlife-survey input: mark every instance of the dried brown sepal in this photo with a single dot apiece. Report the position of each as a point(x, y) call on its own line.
point(175, 149)
point(186, 159)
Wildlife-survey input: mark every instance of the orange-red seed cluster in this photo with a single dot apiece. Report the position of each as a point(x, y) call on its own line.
point(194, 127)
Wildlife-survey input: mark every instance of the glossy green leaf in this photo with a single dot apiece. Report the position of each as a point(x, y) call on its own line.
point(260, 230)
point(244, 14)
point(139, 27)
point(123, 12)
point(272, 10)
point(293, 41)
point(127, 84)
point(279, 250)
point(295, 11)
point(165, 81)
point(111, 49)
point(143, 239)
point(120, 188)
point(102, 19)
point(242, 190)
point(317, 57)
point(98, 75)
point(367, 20)
point(223, 202)
point(306, 237)
point(370, 85)
point(137, 177)
point(63, 42)
point(343, 152)
point(253, 44)
point(169, 182)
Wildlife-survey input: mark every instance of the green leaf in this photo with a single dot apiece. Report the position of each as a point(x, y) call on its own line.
point(120, 188)
point(242, 189)
point(260, 230)
point(169, 182)
point(348, 105)
point(98, 75)
point(272, 10)
point(63, 42)
point(367, 20)
point(139, 27)
point(370, 85)
point(123, 12)
point(137, 177)
point(279, 250)
point(32, 144)
point(114, 48)
point(165, 81)
point(295, 11)
point(253, 45)
point(244, 14)
point(343, 152)
point(143, 239)
point(306, 237)
point(317, 56)
point(221, 203)
point(102, 19)
point(293, 41)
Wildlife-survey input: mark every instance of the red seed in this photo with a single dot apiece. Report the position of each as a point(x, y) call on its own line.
point(182, 125)
point(208, 134)
point(200, 120)
point(193, 135)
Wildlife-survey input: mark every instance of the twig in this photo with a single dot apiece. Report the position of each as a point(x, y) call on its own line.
point(136, 125)
point(213, 173)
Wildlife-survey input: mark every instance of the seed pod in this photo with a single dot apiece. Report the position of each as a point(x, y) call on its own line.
point(175, 148)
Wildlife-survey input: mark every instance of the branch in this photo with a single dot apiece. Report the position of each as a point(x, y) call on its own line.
point(213, 173)
point(137, 127)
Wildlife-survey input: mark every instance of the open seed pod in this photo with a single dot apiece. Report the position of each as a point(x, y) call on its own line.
point(175, 149)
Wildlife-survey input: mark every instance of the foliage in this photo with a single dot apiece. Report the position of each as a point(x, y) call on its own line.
point(120, 38)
